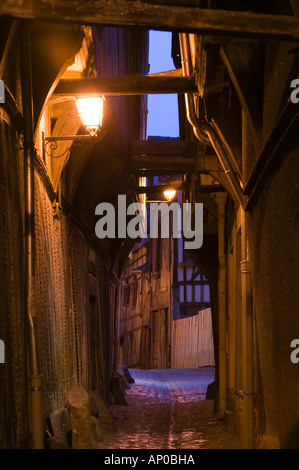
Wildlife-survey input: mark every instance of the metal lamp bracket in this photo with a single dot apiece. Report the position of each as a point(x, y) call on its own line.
point(50, 144)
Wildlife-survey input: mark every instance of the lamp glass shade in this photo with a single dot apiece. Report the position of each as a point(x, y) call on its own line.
point(91, 112)
point(169, 194)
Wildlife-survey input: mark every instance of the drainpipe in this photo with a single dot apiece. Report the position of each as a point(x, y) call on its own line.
point(170, 279)
point(247, 342)
point(116, 330)
point(35, 375)
point(200, 128)
point(203, 130)
point(220, 199)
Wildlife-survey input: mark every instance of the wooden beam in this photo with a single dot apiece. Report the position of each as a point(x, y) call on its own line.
point(161, 172)
point(236, 58)
point(170, 163)
point(175, 156)
point(127, 85)
point(160, 188)
point(152, 16)
point(205, 164)
point(273, 153)
point(168, 148)
point(168, 73)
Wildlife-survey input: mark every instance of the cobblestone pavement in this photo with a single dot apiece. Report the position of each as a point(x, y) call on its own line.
point(167, 409)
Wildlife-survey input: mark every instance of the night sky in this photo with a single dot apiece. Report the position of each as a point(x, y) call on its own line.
point(162, 109)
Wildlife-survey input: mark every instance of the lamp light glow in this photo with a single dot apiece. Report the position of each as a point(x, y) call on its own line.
point(169, 194)
point(91, 113)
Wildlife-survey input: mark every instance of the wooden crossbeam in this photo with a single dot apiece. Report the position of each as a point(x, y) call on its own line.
point(174, 156)
point(273, 153)
point(167, 148)
point(177, 163)
point(162, 154)
point(160, 157)
point(128, 85)
point(161, 172)
point(237, 59)
point(160, 188)
point(125, 13)
point(174, 165)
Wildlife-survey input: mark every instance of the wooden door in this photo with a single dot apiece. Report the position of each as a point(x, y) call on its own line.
point(160, 338)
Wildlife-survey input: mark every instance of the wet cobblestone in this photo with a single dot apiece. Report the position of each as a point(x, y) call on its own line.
point(167, 409)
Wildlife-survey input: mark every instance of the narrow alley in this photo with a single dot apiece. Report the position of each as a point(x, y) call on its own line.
point(167, 409)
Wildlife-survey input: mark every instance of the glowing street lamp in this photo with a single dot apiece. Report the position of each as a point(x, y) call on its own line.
point(91, 113)
point(169, 194)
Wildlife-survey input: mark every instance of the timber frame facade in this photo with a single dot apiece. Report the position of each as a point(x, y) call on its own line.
point(159, 284)
point(237, 154)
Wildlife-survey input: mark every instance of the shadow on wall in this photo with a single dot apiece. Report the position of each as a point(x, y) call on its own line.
point(292, 440)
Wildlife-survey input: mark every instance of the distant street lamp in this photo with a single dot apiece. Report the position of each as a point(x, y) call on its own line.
point(169, 194)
